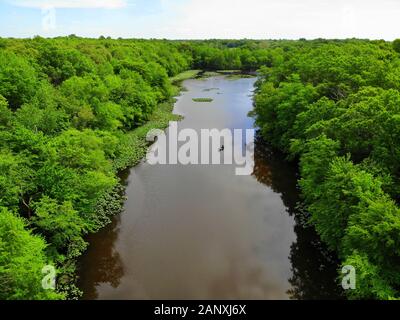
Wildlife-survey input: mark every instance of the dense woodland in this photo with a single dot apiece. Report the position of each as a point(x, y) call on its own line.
point(74, 112)
point(335, 107)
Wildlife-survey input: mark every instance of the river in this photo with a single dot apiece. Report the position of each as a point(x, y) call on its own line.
point(202, 232)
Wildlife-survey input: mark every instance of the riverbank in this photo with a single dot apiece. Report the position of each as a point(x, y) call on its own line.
point(135, 150)
point(342, 131)
point(189, 74)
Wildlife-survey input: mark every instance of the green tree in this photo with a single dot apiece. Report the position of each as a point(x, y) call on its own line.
point(18, 80)
point(396, 45)
point(22, 258)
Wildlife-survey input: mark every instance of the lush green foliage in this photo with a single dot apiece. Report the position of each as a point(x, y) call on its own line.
point(21, 261)
point(335, 105)
point(73, 112)
point(69, 109)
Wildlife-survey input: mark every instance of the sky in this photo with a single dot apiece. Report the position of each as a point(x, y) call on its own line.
point(202, 19)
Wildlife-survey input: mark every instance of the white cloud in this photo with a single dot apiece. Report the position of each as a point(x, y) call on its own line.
point(107, 4)
point(285, 19)
point(199, 19)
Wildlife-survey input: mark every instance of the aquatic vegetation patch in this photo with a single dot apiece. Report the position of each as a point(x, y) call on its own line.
point(189, 74)
point(203, 100)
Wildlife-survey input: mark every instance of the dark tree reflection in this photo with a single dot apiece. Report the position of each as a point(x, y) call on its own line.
point(314, 267)
point(105, 262)
point(102, 257)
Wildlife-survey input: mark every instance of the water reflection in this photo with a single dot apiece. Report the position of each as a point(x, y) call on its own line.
point(102, 254)
point(314, 267)
point(271, 169)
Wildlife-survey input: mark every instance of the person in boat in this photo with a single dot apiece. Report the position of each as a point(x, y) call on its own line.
point(222, 148)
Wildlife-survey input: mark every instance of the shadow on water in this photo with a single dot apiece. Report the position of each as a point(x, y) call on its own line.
point(109, 269)
point(314, 267)
point(102, 254)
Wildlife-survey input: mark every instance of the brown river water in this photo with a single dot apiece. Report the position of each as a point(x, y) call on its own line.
point(202, 232)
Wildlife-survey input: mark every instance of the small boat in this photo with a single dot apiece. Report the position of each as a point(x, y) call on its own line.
point(222, 148)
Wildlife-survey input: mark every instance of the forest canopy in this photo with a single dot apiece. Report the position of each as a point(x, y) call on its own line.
point(73, 112)
point(335, 107)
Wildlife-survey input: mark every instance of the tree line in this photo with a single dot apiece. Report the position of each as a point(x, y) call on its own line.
point(74, 112)
point(334, 106)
